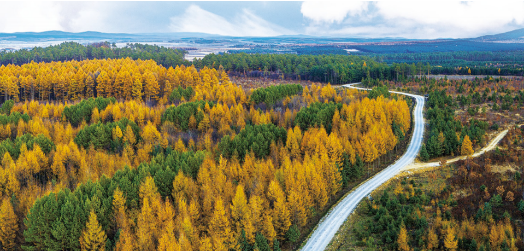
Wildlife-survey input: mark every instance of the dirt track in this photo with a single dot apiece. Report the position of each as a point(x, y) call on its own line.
point(494, 142)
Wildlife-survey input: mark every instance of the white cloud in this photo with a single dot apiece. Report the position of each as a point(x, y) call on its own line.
point(29, 16)
point(330, 12)
point(46, 16)
point(92, 16)
point(196, 19)
point(415, 19)
point(457, 18)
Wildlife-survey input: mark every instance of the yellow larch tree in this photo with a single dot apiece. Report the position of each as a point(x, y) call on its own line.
point(150, 134)
point(403, 239)
point(119, 208)
point(219, 226)
point(126, 241)
point(137, 88)
point(450, 241)
point(256, 209)
point(167, 240)
point(151, 88)
point(239, 209)
point(129, 136)
point(93, 237)
point(268, 229)
point(146, 226)
point(467, 146)
point(281, 215)
point(8, 225)
point(432, 240)
point(103, 88)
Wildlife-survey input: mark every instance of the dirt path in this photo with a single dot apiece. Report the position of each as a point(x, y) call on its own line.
point(494, 142)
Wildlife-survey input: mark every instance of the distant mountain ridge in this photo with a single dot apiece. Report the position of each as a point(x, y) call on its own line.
point(506, 36)
point(515, 36)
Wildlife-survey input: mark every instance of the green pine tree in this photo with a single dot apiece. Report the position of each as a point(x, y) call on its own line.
point(359, 167)
point(276, 245)
point(243, 243)
point(293, 234)
point(261, 242)
point(424, 156)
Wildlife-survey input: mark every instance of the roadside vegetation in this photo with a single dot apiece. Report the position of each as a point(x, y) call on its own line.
point(470, 205)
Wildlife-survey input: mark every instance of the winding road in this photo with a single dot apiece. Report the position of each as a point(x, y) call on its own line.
point(331, 222)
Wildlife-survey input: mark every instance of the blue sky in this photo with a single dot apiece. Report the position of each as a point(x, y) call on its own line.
point(391, 18)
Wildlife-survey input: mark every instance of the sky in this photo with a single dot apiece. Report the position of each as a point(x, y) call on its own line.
point(423, 19)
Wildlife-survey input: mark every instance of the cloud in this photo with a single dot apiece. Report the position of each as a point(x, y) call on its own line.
point(393, 18)
point(46, 16)
point(196, 19)
point(413, 19)
point(330, 12)
point(456, 18)
point(29, 16)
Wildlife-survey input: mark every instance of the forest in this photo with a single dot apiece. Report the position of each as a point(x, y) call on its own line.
point(106, 148)
point(334, 69)
point(319, 63)
point(68, 51)
point(459, 108)
point(470, 205)
point(120, 154)
point(459, 62)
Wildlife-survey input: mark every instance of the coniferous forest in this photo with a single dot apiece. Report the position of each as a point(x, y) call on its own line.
point(106, 148)
point(120, 154)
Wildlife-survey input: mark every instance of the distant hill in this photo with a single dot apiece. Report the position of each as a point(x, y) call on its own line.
point(514, 35)
point(61, 35)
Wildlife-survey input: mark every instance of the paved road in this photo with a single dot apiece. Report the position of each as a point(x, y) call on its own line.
point(332, 221)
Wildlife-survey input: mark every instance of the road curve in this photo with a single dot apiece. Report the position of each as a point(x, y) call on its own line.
point(331, 222)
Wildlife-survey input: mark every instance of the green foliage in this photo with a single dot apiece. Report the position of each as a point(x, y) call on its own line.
point(424, 156)
point(261, 242)
point(335, 69)
point(276, 245)
point(180, 115)
point(13, 118)
point(56, 221)
point(13, 147)
point(101, 135)
point(255, 138)
point(496, 200)
point(75, 114)
point(317, 114)
point(270, 95)
point(521, 206)
point(189, 162)
point(351, 172)
point(75, 51)
point(6, 107)
point(486, 213)
point(397, 130)
point(379, 91)
point(177, 94)
point(243, 243)
point(391, 212)
point(293, 233)
point(441, 114)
